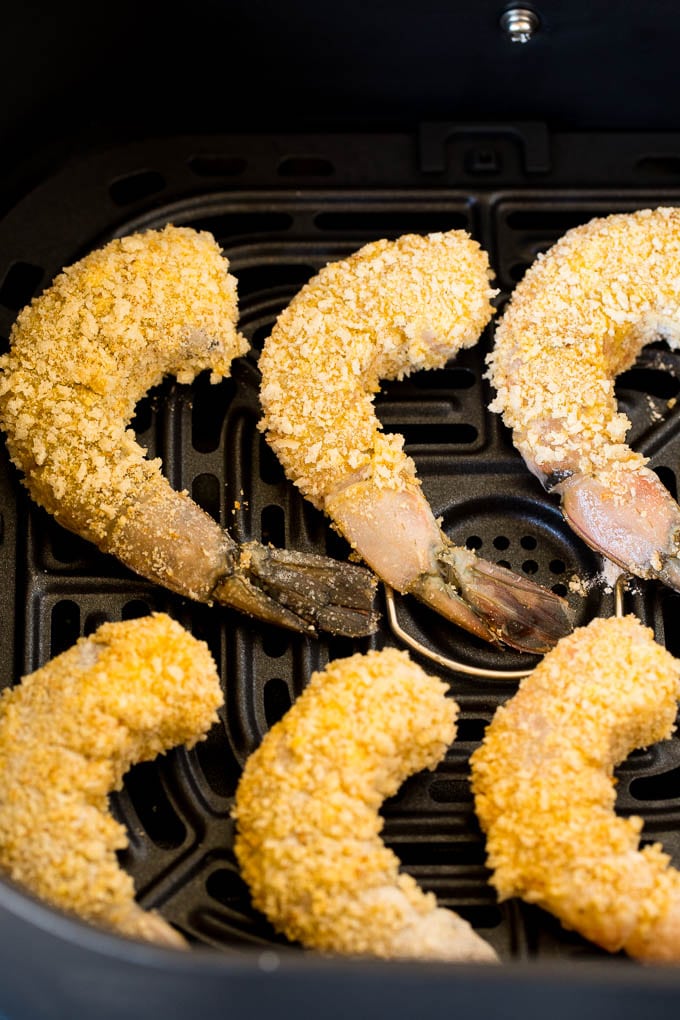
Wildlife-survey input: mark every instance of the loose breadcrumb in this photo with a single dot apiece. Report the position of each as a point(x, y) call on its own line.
point(307, 804)
point(545, 793)
point(68, 733)
point(577, 319)
point(390, 309)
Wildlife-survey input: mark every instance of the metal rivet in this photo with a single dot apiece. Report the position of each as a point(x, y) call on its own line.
point(519, 24)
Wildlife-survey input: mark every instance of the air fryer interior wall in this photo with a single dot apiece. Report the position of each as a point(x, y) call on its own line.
point(296, 136)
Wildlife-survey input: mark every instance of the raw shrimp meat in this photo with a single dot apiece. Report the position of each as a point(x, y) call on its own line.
point(110, 327)
point(544, 789)
point(307, 813)
point(579, 317)
point(390, 309)
point(68, 733)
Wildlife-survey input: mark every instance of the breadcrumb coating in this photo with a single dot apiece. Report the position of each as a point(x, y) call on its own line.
point(307, 813)
point(545, 794)
point(577, 319)
point(390, 309)
point(68, 733)
point(82, 355)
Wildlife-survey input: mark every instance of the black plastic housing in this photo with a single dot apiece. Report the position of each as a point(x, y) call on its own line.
point(296, 135)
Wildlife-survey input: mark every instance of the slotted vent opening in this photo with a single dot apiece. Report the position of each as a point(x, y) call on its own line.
point(65, 626)
point(271, 471)
point(274, 276)
point(671, 611)
point(209, 405)
point(649, 381)
point(277, 700)
point(450, 791)
point(669, 479)
point(206, 490)
point(664, 786)
point(134, 609)
point(162, 824)
point(218, 763)
point(231, 224)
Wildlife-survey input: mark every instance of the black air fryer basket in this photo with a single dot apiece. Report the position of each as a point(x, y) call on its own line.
point(295, 135)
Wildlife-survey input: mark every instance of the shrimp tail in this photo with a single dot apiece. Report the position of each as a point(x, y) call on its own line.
point(418, 558)
point(300, 591)
point(497, 604)
point(520, 613)
point(635, 524)
point(169, 539)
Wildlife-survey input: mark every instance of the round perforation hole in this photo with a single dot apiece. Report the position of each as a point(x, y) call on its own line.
point(497, 525)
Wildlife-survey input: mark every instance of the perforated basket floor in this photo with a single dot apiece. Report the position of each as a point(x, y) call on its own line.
point(280, 213)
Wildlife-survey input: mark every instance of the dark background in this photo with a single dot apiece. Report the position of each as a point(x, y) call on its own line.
point(73, 72)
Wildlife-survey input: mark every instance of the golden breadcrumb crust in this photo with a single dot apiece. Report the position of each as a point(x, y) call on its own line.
point(391, 308)
point(545, 794)
point(306, 810)
point(82, 354)
point(578, 318)
point(68, 733)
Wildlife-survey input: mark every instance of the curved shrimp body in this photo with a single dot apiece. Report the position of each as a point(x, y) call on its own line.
point(390, 309)
point(579, 317)
point(545, 793)
point(68, 733)
point(307, 813)
point(81, 356)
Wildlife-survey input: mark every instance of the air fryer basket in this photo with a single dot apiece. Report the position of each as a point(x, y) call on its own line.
point(281, 207)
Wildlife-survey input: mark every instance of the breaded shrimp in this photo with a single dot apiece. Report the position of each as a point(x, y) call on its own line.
point(68, 733)
point(580, 316)
point(307, 821)
point(545, 793)
point(390, 309)
point(110, 327)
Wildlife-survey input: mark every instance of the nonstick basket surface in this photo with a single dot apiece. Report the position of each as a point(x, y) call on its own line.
point(281, 209)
